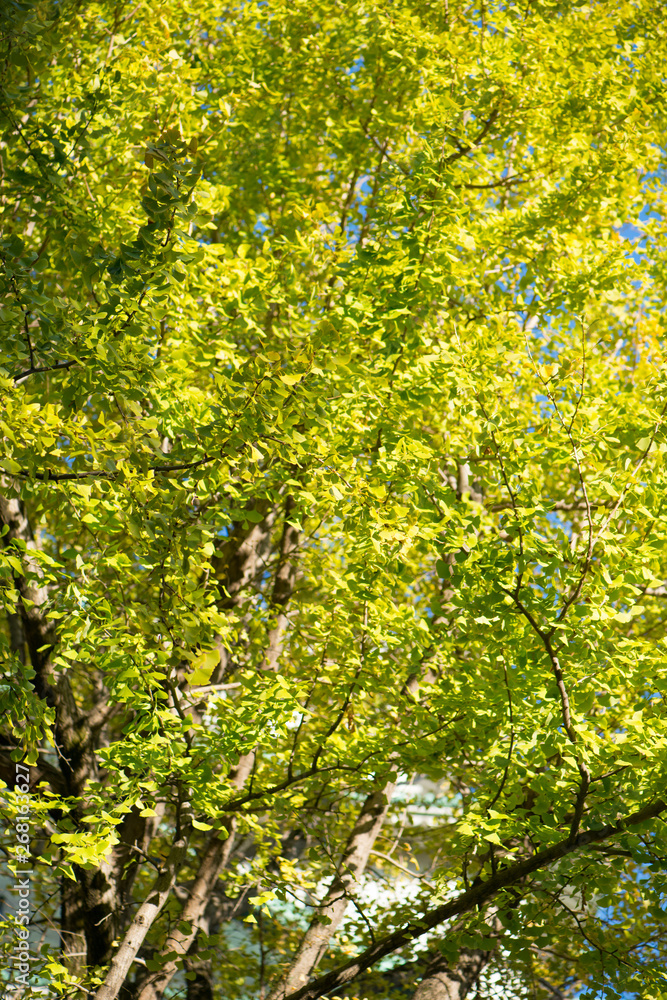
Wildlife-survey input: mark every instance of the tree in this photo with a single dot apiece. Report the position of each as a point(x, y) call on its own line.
point(333, 515)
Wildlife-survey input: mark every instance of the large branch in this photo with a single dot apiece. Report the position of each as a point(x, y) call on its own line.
point(41, 771)
point(61, 477)
point(90, 905)
point(214, 861)
point(478, 895)
point(352, 866)
point(145, 917)
point(446, 980)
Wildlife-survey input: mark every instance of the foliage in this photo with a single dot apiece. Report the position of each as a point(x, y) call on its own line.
point(334, 406)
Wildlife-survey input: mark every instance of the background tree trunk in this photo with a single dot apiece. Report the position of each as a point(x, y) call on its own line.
point(442, 982)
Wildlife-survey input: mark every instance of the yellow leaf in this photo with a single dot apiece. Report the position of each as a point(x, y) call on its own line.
point(203, 666)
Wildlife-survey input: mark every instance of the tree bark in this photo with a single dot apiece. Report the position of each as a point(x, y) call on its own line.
point(73, 947)
point(199, 988)
point(441, 982)
point(145, 917)
point(326, 922)
point(213, 863)
point(241, 558)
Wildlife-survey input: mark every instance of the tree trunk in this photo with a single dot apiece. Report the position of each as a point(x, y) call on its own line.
point(199, 988)
point(144, 918)
point(73, 949)
point(352, 866)
point(441, 982)
point(214, 861)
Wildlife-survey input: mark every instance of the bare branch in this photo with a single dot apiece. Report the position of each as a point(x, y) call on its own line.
point(61, 366)
point(352, 866)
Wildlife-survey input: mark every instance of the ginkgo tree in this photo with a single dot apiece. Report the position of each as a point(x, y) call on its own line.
point(334, 410)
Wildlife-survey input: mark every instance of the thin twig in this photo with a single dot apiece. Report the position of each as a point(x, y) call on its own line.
point(61, 366)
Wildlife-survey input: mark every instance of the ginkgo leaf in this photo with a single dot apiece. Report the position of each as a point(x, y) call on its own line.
point(203, 666)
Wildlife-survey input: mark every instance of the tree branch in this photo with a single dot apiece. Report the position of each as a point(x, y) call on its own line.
point(59, 477)
point(326, 921)
point(476, 896)
point(214, 861)
point(145, 917)
point(61, 366)
point(464, 150)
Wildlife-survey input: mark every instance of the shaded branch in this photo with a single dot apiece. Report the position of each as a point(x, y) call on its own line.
point(61, 366)
point(214, 861)
point(145, 917)
point(464, 150)
point(101, 474)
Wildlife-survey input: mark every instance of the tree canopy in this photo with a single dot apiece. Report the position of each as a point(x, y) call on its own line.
point(332, 505)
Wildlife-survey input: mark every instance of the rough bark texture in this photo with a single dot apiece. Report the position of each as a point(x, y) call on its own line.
point(442, 982)
point(352, 866)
